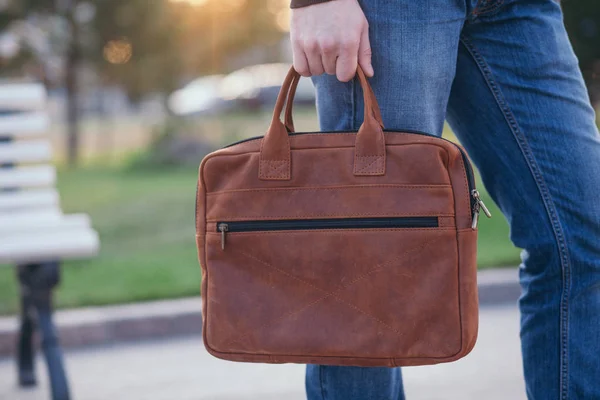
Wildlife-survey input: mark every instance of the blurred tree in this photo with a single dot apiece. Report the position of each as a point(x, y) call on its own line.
point(217, 31)
point(44, 10)
point(133, 43)
point(11, 13)
point(137, 45)
point(582, 18)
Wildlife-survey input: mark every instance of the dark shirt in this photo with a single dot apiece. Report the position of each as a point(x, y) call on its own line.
point(304, 3)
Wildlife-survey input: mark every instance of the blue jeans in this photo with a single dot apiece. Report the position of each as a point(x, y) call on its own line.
point(504, 75)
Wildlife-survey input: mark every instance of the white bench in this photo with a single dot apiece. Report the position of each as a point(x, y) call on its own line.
point(35, 235)
point(32, 225)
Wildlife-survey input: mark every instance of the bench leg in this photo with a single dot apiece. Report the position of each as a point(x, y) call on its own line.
point(26, 351)
point(37, 282)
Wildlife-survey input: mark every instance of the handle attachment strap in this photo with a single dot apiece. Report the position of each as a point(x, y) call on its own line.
point(275, 152)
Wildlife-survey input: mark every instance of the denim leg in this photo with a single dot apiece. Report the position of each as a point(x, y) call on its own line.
point(519, 106)
point(415, 47)
point(353, 383)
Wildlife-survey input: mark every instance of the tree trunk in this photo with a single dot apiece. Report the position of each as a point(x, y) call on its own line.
point(71, 84)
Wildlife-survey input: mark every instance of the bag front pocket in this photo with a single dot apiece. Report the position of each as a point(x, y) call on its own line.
point(341, 287)
point(324, 224)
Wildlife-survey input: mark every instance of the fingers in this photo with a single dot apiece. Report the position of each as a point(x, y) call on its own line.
point(329, 56)
point(312, 50)
point(300, 61)
point(347, 61)
point(364, 52)
point(340, 60)
point(334, 53)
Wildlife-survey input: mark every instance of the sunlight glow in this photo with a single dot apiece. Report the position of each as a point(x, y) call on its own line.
point(192, 2)
point(118, 51)
point(231, 5)
point(283, 20)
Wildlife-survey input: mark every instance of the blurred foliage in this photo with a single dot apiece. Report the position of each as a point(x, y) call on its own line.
point(170, 42)
point(152, 30)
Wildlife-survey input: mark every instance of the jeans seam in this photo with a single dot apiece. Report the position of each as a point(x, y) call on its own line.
point(480, 10)
point(321, 380)
point(548, 204)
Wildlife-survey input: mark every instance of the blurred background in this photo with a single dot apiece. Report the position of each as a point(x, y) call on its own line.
point(139, 91)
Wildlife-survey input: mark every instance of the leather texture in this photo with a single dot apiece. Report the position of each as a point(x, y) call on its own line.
point(393, 296)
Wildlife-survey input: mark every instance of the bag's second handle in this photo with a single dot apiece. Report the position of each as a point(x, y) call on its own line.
point(369, 153)
point(289, 119)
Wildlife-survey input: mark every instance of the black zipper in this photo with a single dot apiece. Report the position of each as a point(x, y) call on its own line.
point(225, 227)
point(468, 166)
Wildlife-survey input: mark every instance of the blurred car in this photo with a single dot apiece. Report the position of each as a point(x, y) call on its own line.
point(200, 96)
point(250, 88)
point(257, 86)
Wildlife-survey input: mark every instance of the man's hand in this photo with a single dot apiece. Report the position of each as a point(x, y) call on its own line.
point(331, 37)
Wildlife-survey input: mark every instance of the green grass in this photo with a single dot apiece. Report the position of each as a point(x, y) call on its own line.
point(494, 247)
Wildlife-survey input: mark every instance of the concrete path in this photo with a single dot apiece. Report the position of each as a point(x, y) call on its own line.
point(182, 370)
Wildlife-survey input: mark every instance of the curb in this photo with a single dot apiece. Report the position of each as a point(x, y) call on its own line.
point(171, 318)
point(499, 286)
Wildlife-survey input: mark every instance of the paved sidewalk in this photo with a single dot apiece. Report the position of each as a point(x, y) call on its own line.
point(182, 370)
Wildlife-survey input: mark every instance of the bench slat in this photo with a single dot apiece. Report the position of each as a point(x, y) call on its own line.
point(11, 221)
point(57, 244)
point(22, 96)
point(24, 124)
point(28, 151)
point(30, 176)
point(41, 221)
point(28, 199)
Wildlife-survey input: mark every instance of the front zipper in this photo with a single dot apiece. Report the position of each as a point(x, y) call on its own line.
point(477, 208)
point(476, 202)
point(312, 224)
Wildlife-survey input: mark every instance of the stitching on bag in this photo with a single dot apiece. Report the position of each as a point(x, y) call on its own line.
point(364, 168)
point(415, 141)
point(276, 168)
point(260, 161)
point(466, 183)
point(292, 189)
point(328, 294)
point(285, 174)
point(376, 158)
point(301, 216)
point(275, 165)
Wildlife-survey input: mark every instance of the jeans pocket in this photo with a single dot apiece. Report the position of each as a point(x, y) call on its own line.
point(485, 7)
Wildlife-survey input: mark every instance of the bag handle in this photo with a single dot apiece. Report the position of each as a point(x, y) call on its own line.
point(289, 119)
point(275, 152)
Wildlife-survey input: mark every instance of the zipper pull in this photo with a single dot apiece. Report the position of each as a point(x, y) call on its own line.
point(223, 228)
point(479, 206)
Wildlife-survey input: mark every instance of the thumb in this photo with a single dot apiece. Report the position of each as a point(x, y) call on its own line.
point(364, 52)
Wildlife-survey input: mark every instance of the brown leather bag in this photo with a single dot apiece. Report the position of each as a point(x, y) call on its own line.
point(338, 248)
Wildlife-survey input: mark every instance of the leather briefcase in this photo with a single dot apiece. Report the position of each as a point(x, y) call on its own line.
point(339, 248)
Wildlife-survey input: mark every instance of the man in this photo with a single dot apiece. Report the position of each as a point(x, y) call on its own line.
point(504, 75)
